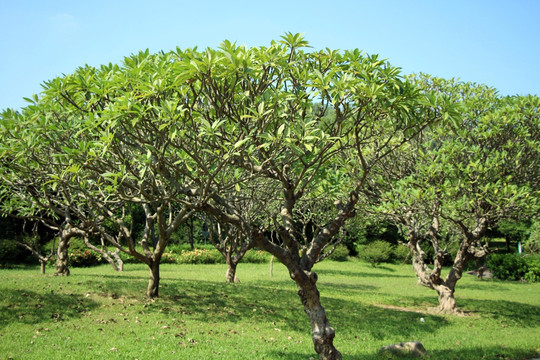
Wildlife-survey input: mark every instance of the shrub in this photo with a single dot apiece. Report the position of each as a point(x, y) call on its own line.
point(256, 257)
point(341, 253)
point(533, 268)
point(507, 266)
point(128, 259)
point(84, 258)
point(9, 251)
point(201, 256)
point(377, 252)
point(180, 248)
point(532, 244)
point(401, 254)
point(169, 258)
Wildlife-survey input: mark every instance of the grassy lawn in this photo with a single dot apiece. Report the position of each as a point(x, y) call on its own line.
point(98, 314)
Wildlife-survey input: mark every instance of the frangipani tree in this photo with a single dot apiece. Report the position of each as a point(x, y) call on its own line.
point(28, 166)
point(290, 121)
point(461, 178)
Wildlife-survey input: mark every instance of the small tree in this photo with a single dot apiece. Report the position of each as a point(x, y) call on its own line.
point(32, 243)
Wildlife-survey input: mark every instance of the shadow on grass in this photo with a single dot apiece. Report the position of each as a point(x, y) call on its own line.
point(379, 322)
point(386, 272)
point(33, 308)
point(493, 353)
point(276, 299)
point(509, 312)
point(267, 303)
point(273, 305)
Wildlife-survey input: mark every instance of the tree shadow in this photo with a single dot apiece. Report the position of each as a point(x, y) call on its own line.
point(510, 312)
point(270, 303)
point(379, 322)
point(29, 307)
point(493, 353)
point(388, 272)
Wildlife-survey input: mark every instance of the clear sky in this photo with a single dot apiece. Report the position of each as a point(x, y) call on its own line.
point(485, 41)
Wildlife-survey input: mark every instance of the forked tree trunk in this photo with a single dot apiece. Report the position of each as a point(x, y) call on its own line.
point(43, 259)
point(62, 256)
point(153, 283)
point(321, 332)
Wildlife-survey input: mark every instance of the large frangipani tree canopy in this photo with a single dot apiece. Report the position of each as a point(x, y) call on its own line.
point(274, 141)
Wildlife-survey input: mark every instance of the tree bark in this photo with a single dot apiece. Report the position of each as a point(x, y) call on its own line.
point(112, 257)
point(231, 272)
point(43, 264)
point(189, 233)
point(119, 262)
point(447, 301)
point(321, 332)
point(62, 259)
point(153, 283)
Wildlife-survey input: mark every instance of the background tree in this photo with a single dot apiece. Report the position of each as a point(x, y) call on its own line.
point(459, 179)
point(27, 168)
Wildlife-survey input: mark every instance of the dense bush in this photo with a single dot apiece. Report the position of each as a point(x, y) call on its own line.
point(401, 254)
point(84, 258)
point(515, 267)
point(533, 268)
point(203, 254)
point(200, 256)
point(179, 248)
point(9, 251)
point(532, 244)
point(256, 257)
point(341, 253)
point(213, 256)
point(377, 252)
point(507, 266)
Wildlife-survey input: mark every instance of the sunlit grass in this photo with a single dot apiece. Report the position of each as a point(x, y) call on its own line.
point(97, 313)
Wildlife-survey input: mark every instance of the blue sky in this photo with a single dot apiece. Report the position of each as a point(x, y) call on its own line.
point(492, 42)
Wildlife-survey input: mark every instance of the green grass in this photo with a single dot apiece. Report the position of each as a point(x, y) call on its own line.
point(98, 314)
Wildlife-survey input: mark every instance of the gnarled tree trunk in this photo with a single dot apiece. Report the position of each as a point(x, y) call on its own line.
point(321, 332)
point(43, 259)
point(116, 261)
point(447, 301)
point(62, 260)
point(62, 256)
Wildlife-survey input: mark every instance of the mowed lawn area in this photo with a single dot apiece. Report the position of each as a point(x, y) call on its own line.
point(98, 314)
